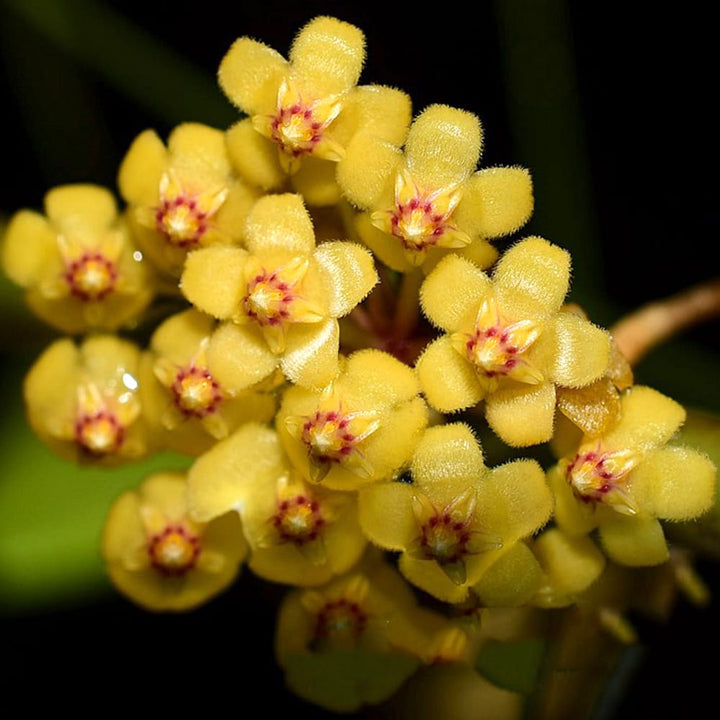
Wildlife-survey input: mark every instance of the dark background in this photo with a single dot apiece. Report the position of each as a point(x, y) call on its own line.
point(612, 113)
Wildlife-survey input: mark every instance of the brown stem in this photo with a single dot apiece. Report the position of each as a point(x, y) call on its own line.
point(640, 331)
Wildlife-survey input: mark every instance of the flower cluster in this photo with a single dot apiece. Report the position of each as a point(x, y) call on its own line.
point(352, 311)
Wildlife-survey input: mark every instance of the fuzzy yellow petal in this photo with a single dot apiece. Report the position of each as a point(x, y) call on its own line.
point(28, 242)
point(141, 169)
point(382, 111)
point(222, 479)
point(448, 456)
point(649, 419)
point(674, 483)
point(327, 55)
point(391, 448)
point(515, 499)
point(201, 148)
point(239, 356)
point(443, 146)
point(230, 218)
point(280, 223)
point(368, 170)
point(81, 208)
point(448, 380)
point(451, 294)
point(633, 541)
point(532, 278)
point(496, 201)
point(179, 336)
point(348, 271)
point(479, 251)
point(522, 415)
point(430, 577)
point(571, 565)
point(48, 385)
point(311, 353)
point(250, 74)
point(375, 377)
point(285, 564)
point(111, 357)
point(213, 281)
point(511, 580)
point(582, 350)
point(315, 181)
point(572, 515)
point(386, 516)
point(124, 537)
point(254, 156)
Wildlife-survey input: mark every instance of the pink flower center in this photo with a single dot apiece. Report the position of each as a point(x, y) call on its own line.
point(598, 475)
point(417, 223)
point(342, 617)
point(444, 538)
point(268, 299)
point(296, 129)
point(298, 520)
point(181, 220)
point(195, 392)
point(328, 437)
point(99, 433)
point(492, 351)
point(92, 276)
point(174, 551)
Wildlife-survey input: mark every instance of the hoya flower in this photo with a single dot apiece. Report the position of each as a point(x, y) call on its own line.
point(78, 262)
point(82, 400)
point(183, 195)
point(183, 403)
point(361, 428)
point(506, 340)
point(626, 481)
point(350, 642)
point(279, 299)
point(455, 517)
point(302, 111)
point(427, 198)
point(298, 534)
point(158, 557)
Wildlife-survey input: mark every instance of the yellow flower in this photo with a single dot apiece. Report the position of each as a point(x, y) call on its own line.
point(78, 262)
point(423, 200)
point(299, 534)
point(160, 558)
point(361, 428)
point(507, 341)
point(351, 642)
point(184, 195)
point(185, 406)
point(627, 480)
point(83, 402)
point(456, 517)
point(279, 299)
point(302, 111)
